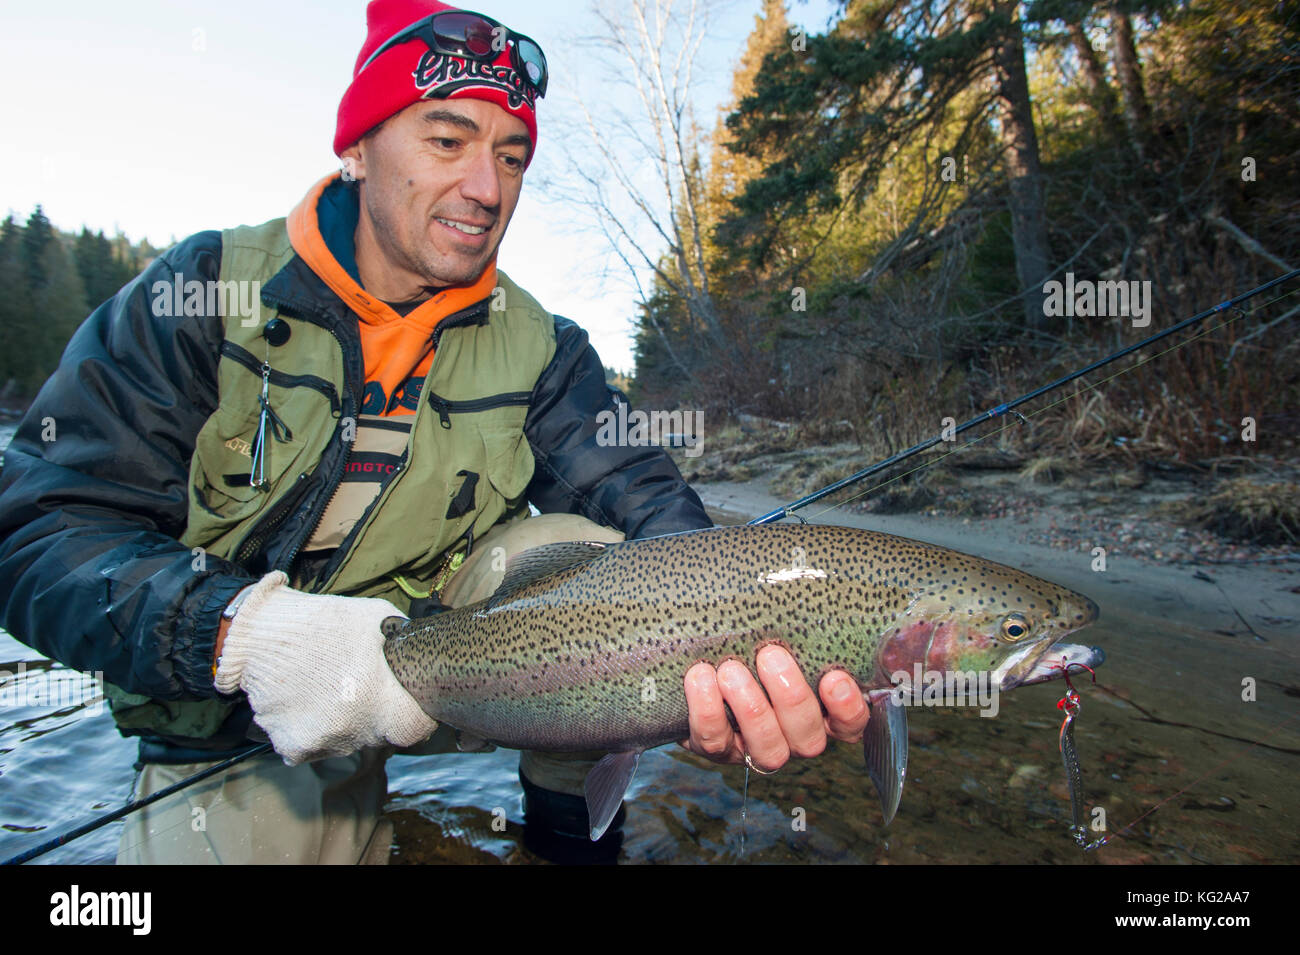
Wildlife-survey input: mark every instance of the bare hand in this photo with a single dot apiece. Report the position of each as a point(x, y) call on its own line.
point(785, 721)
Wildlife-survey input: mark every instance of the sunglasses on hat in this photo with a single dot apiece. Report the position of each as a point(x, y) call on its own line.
point(472, 36)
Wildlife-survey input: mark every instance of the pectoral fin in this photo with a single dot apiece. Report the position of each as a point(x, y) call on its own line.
point(885, 747)
point(605, 786)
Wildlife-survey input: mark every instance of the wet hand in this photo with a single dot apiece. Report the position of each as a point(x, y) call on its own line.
point(786, 720)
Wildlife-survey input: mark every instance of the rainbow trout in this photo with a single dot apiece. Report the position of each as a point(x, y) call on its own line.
point(585, 646)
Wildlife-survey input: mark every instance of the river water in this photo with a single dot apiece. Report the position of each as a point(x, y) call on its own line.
point(1170, 730)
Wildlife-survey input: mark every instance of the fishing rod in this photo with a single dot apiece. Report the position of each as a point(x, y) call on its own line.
point(1070, 703)
point(131, 807)
point(1011, 406)
point(787, 511)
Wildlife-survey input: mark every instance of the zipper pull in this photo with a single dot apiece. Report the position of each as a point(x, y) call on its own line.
point(441, 407)
point(278, 428)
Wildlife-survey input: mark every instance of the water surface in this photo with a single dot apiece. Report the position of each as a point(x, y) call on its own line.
point(1170, 718)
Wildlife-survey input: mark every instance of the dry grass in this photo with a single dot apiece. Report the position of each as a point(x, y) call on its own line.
point(1248, 510)
point(1116, 428)
point(1049, 469)
point(811, 474)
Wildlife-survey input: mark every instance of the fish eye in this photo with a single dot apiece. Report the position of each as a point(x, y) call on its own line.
point(1014, 626)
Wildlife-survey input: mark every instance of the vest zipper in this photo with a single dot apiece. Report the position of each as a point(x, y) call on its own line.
point(443, 407)
point(446, 407)
point(336, 482)
point(282, 510)
point(270, 522)
point(246, 358)
point(285, 563)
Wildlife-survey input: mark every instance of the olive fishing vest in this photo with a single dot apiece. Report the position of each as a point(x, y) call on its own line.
point(466, 466)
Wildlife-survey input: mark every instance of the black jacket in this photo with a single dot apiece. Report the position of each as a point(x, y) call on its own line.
point(93, 494)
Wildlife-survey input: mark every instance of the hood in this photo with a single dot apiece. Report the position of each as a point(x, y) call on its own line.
point(321, 230)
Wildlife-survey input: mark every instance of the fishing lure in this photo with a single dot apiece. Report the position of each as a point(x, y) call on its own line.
point(1070, 704)
point(257, 471)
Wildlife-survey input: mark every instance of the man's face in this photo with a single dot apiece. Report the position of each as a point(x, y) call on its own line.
point(439, 182)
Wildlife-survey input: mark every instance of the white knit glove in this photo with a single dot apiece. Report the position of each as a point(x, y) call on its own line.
point(314, 670)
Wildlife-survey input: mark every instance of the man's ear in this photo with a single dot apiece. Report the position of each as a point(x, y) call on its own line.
point(354, 164)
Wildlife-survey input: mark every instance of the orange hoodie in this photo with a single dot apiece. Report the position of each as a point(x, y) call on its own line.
point(396, 348)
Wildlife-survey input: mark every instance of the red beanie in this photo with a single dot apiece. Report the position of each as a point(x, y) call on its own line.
point(410, 72)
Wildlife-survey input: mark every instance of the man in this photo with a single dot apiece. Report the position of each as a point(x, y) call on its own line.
point(232, 503)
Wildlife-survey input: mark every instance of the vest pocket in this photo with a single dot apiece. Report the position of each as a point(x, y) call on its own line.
point(499, 420)
point(229, 484)
point(224, 468)
point(279, 378)
point(224, 451)
point(446, 407)
point(509, 460)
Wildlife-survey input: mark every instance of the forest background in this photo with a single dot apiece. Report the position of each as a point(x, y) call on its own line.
point(861, 243)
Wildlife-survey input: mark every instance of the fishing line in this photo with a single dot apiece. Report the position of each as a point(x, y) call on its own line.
point(1070, 704)
point(1105, 840)
point(1023, 418)
point(1202, 576)
point(744, 805)
point(1009, 407)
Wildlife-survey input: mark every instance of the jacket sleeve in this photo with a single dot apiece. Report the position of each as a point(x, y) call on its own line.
point(637, 490)
point(94, 491)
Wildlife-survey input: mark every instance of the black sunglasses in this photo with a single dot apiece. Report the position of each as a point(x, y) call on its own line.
point(472, 36)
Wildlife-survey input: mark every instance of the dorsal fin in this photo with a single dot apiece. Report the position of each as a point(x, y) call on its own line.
point(538, 563)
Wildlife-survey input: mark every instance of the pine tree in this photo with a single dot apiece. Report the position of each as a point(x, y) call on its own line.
point(729, 169)
point(44, 302)
point(13, 279)
point(58, 308)
point(93, 264)
point(37, 236)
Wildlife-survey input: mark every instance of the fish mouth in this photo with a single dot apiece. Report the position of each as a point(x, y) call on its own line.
point(1045, 659)
point(1029, 668)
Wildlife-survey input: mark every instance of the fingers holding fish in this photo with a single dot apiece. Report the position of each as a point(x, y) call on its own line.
point(846, 708)
point(761, 732)
point(711, 733)
point(776, 719)
point(709, 693)
point(795, 705)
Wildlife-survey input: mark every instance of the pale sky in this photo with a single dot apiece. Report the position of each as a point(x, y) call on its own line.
point(166, 118)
